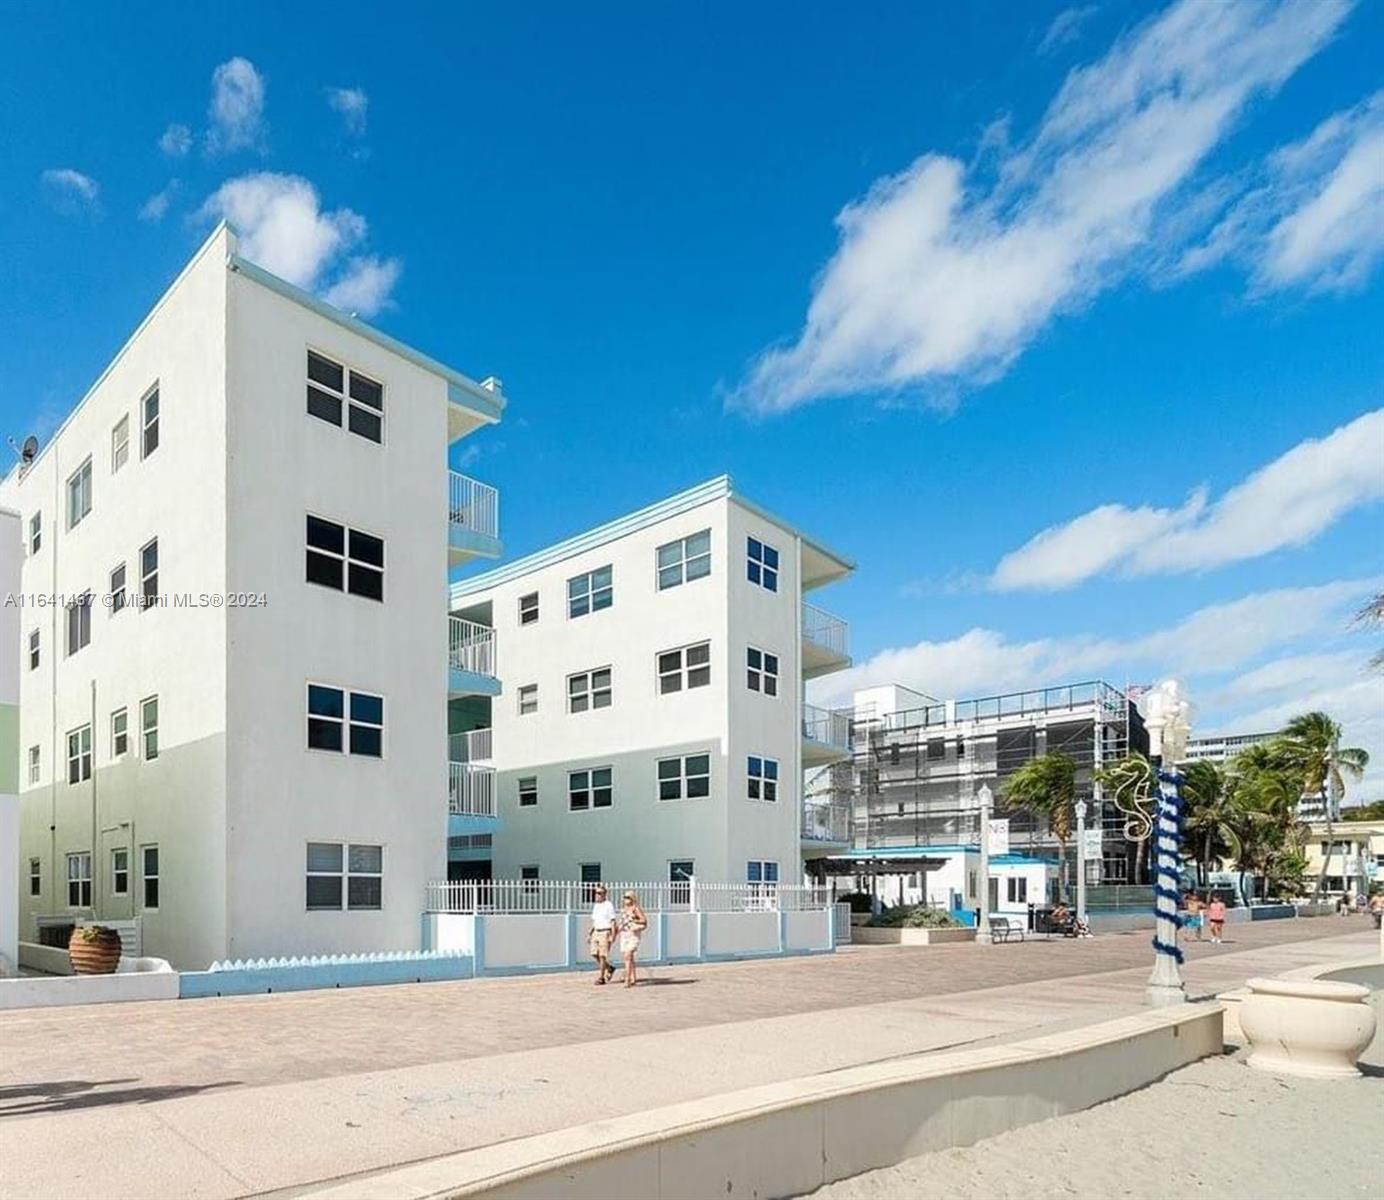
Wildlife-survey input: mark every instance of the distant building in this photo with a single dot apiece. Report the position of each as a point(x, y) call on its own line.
point(1223, 747)
point(1352, 852)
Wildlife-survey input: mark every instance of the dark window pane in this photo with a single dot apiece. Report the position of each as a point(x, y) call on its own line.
point(367, 549)
point(698, 677)
point(696, 655)
point(149, 557)
point(669, 661)
point(324, 891)
point(367, 582)
point(601, 798)
point(325, 701)
point(324, 856)
point(367, 708)
point(579, 800)
point(324, 570)
point(600, 600)
point(771, 663)
point(753, 657)
point(364, 891)
point(326, 535)
point(770, 557)
point(367, 424)
point(698, 786)
point(753, 788)
point(601, 778)
point(771, 580)
point(151, 438)
point(770, 686)
point(670, 683)
point(756, 550)
point(323, 406)
point(669, 577)
point(601, 578)
point(325, 372)
point(367, 741)
point(670, 789)
point(698, 764)
point(367, 391)
point(324, 735)
point(669, 768)
point(151, 893)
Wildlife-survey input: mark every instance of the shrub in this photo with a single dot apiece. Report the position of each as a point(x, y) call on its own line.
point(914, 916)
point(859, 901)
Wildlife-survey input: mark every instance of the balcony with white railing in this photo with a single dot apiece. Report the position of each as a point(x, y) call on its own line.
point(826, 823)
point(825, 647)
point(473, 519)
point(470, 797)
point(826, 735)
point(471, 659)
point(474, 746)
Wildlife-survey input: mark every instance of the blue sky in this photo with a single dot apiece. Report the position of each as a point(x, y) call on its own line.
point(928, 280)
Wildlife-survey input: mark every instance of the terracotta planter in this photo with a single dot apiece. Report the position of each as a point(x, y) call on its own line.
point(1307, 1026)
point(98, 954)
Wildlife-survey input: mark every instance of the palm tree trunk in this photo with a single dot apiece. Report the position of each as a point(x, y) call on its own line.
point(1330, 846)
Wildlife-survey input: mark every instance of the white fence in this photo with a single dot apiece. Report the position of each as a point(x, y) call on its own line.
point(471, 647)
point(513, 925)
point(470, 790)
point(822, 629)
point(472, 747)
point(473, 505)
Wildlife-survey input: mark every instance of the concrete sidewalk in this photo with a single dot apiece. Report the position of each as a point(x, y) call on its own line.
point(222, 1098)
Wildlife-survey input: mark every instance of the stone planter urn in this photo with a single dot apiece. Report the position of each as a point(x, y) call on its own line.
point(93, 950)
point(1310, 1027)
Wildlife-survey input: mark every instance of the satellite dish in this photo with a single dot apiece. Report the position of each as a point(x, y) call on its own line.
point(30, 450)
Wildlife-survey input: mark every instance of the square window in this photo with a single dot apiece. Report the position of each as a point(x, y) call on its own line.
point(762, 564)
point(589, 789)
point(684, 560)
point(590, 592)
point(761, 777)
point(688, 667)
point(684, 777)
point(589, 689)
point(762, 671)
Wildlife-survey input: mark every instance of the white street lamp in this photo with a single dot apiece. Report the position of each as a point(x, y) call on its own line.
point(1081, 862)
point(986, 798)
point(1168, 718)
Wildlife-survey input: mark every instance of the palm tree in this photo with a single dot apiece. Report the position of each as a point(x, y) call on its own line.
point(1046, 786)
point(1211, 816)
point(1311, 750)
point(1263, 813)
point(1373, 614)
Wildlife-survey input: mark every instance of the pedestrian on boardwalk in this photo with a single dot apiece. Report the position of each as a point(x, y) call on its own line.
point(1215, 913)
point(1377, 908)
point(1194, 920)
point(602, 930)
point(632, 923)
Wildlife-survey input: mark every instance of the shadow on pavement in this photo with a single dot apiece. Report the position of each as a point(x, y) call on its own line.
point(64, 1095)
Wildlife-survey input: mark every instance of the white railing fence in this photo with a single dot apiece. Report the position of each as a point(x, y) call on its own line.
point(472, 747)
point(470, 790)
point(470, 647)
point(826, 726)
point(473, 505)
point(567, 896)
point(822, 629)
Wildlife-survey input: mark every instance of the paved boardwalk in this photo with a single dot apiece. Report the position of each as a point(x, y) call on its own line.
point(225, 1097)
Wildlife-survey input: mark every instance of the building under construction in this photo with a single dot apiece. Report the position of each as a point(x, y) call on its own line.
point(918, 765)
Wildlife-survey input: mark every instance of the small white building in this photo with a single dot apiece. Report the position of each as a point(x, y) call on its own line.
point(948, 877)
point(233, 675)
point(652, 724)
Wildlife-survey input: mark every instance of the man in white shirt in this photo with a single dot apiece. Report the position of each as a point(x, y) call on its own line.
point(602, 931)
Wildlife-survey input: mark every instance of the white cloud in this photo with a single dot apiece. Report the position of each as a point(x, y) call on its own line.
point(176, 140)
point(1286, 503)
point(70, 191)
point(155, 208)
point(1209, 641)
point(365, 286)
point(1065, 28)
point(945, 273)
point(352, 104)
point(283, 228)
point(237, 107)
point(1314, 216)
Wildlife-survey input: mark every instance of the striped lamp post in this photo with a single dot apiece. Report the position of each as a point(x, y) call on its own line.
point(1168, 718)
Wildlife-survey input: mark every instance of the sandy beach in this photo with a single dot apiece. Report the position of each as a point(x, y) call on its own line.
point(1215, 1128)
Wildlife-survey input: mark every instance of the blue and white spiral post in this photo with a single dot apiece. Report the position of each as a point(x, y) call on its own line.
point(1168, 718)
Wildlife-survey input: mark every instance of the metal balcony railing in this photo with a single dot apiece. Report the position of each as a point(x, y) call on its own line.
point(471, 790)
point(473, 505)
point(471, 647)
point(824, 630)
point(827, 727)
point(473, 747)
point(826, 822)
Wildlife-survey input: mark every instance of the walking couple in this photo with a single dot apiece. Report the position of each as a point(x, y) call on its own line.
point(629, 922)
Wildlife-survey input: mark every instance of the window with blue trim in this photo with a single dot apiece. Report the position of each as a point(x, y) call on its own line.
point(762, 778)
point(762, 564)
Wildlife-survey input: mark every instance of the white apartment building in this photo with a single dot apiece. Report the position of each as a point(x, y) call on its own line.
point(232, 690)
point(652, 724)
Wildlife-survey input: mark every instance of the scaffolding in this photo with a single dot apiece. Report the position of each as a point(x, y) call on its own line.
point(915, 776)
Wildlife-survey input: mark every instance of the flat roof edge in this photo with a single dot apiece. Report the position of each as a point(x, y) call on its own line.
point(461, 389)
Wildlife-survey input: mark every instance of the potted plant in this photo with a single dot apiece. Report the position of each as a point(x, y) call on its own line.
point(93, 950)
